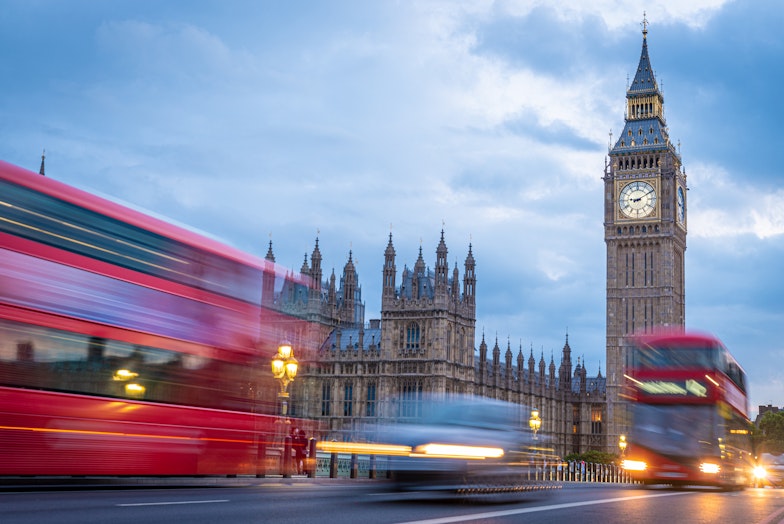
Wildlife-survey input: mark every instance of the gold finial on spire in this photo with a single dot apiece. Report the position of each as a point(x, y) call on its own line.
point(644, 25)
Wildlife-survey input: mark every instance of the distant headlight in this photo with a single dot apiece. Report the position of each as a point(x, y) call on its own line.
point(456, 451)
point(634, 465)
point(709, 467)
point(760, 472)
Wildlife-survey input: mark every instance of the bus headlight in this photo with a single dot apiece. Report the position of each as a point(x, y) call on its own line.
point(709, 467)
point(634, 465)
point(760, 473)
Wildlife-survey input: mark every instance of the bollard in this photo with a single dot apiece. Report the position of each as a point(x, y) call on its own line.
point(333, 465)
point(286, 459)
point(354, 466)
point(312, 461)
point(372, 467)
point(261, 458)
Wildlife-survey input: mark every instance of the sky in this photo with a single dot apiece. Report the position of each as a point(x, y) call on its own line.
point(344, 121)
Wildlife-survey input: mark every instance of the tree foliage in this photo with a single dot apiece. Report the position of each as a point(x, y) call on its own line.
point(592, 457)
point(771, 433)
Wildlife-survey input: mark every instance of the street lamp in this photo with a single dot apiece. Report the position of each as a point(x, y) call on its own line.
point(622, 444)
point(284, 368)
point(535, 422)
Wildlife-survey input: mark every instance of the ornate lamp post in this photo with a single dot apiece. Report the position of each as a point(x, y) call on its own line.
point(284, 368)
point(622, 444)
point(535, 422)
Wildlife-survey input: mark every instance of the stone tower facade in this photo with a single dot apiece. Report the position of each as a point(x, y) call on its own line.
point(361, 373)
point(427, 329)
point(644, 231)
point(572, 405)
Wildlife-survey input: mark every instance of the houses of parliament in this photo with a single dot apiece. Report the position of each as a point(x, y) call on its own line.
point(425, 342)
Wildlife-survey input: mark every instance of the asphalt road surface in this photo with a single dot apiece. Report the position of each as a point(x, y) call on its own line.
point(354, 502)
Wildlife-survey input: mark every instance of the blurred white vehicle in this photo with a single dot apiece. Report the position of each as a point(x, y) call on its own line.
point(467, 446)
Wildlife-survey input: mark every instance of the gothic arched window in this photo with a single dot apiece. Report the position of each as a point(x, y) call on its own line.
point(412, 336)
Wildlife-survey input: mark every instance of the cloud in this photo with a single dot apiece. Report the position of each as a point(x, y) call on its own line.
point(619, 15)
point(724, 206)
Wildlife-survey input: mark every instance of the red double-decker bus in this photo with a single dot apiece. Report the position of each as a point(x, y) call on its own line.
point(129, 346)
point(689, 412)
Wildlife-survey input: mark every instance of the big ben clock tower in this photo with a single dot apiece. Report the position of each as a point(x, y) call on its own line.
point(644, 230)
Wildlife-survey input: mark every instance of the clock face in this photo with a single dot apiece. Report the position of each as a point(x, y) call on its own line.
point(637, 199)
point(681, 206)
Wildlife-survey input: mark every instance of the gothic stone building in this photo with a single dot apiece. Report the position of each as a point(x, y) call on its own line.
point(424, 344)
point(644, 231)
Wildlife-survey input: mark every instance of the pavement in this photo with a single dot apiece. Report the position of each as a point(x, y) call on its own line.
point(34, 483)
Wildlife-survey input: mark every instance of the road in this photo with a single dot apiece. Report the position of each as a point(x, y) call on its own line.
point(323, 502)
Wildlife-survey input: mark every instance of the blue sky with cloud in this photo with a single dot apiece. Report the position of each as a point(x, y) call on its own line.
point(253, 120)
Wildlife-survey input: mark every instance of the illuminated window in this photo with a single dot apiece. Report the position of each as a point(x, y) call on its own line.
point(596, 420)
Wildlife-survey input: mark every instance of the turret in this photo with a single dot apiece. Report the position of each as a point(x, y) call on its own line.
point(469, 278)
point(442, 268)
point(389, 270)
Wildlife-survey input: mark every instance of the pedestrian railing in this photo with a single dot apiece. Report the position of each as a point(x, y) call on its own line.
point(345, 465)
point(354, 465)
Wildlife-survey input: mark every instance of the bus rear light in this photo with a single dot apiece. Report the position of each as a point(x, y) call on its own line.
point(709, 467)
point(634, 465)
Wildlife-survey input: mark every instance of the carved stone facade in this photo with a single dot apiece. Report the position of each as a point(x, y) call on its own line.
point(644, 231)
point(424, 344)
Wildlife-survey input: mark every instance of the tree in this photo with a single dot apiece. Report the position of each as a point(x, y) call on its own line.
point(771, 429)
point(592, 457)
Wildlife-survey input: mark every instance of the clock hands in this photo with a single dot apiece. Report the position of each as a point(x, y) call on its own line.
point(642, 196)
point(638, 198)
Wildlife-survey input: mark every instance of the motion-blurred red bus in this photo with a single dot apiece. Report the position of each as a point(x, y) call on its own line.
point(689, 412)
point(129, 346)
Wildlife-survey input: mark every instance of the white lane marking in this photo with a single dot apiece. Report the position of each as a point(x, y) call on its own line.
point(508, 512)
point(773, 516)
point(173, 503)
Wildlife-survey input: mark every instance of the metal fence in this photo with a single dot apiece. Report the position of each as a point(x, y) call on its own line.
point(343, 465)
point(346, 465)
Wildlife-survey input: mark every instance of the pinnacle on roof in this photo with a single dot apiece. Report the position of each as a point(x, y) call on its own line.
point(270, 255)
point(644, 81)
point(316, 251)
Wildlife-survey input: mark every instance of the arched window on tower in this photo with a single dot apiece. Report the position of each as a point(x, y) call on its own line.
point(412, 336)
